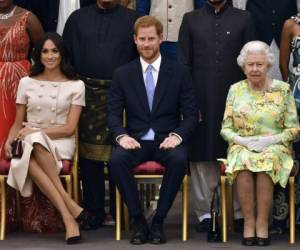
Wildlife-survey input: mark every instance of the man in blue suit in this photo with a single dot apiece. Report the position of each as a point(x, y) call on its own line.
point(160, 108)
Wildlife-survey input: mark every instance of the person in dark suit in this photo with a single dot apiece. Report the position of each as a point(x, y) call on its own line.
point(160, 108)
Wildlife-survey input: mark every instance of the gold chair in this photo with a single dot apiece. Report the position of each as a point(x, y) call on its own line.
point(224, 205)
point(69, 174)
point(149, 175)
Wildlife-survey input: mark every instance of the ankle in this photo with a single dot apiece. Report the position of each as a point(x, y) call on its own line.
point(139, 219)
point(157, 219)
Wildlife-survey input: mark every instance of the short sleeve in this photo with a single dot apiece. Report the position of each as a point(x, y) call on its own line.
point(78, 97)
point(21, 92)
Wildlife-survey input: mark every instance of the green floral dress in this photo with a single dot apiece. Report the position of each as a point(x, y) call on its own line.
point(251, 113)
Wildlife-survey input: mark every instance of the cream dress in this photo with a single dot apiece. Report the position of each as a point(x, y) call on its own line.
point(47, 105)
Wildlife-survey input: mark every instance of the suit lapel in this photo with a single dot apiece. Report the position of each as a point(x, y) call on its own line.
point(163, 78)
point(140, 85)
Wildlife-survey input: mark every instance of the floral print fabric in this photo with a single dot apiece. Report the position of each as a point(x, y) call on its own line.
point(251, 113)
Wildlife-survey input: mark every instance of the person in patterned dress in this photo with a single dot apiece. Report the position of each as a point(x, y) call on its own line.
point(19, 31)
point(289, 46)
point(260, 123)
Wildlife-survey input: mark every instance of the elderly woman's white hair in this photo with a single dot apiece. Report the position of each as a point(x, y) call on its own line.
point(256, 47)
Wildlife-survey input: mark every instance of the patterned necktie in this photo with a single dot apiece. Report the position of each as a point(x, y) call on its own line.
point(150, 87)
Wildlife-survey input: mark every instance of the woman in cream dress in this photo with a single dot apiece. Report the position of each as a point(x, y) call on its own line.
point(49, 104)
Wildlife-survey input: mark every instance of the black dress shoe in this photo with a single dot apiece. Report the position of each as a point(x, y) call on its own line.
point(157, 235)
point(203, 226)
point(263, 241)
point(83, 218)
point(249, 241)
point(88, 221)
point(74, 240)
point(140, 234)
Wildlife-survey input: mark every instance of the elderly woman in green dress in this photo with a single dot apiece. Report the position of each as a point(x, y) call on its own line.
point(260, 123)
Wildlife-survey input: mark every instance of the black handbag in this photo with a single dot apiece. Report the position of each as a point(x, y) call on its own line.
point(17, 148)
point(214, 232)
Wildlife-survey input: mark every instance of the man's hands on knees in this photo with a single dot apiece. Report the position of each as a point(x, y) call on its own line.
point(171, 141)
point(128, 142)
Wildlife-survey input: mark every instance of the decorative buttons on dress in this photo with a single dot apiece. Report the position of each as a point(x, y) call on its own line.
point(38, 108)
point(169, 20)
point(40, 95)
point(170, 6)
point(42, 85)
point(55, 85)
point(38, 121)
point(53, 97)
point(52, 121)
point(52, 109)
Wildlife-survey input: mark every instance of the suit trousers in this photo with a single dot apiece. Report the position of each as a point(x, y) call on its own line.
point(204, 178)
point(123, 161)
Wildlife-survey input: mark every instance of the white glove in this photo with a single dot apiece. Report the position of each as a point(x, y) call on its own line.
point(263, 142)
point(244, 141)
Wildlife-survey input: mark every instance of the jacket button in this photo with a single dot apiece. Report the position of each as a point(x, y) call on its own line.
point(170, 6)
point(170, 20)
point(52, 109)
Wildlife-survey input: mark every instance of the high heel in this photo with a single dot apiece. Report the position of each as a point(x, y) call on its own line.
point(74, 239)
point(249, 241)
point(263, 241)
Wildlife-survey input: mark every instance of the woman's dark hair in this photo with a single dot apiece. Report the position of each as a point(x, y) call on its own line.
point(65, 65)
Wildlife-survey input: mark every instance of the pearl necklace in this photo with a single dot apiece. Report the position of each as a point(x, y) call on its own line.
point(8, 15)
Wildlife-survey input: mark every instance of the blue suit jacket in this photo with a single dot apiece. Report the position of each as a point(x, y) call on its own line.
point(174, 106)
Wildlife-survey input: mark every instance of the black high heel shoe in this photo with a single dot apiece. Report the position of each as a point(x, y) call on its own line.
point(263, 241)
point(74, 239)
point(249, 241)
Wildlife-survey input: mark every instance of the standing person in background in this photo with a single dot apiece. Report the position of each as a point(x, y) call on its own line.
point(170, 13)
point(100, 39)
point(289, 46)
point(269, 16)
point(209, 44)
point(19, 31)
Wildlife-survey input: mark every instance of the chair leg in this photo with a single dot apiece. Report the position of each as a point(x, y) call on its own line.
point(18, 204)
point(148, 195)
point(118, 215)
point(68, 184)
point(231, 202)
point(75, 188)
point(224, 208)
point(185, 201)
point(292, 209)
point(3, 208)
point(126, 217)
